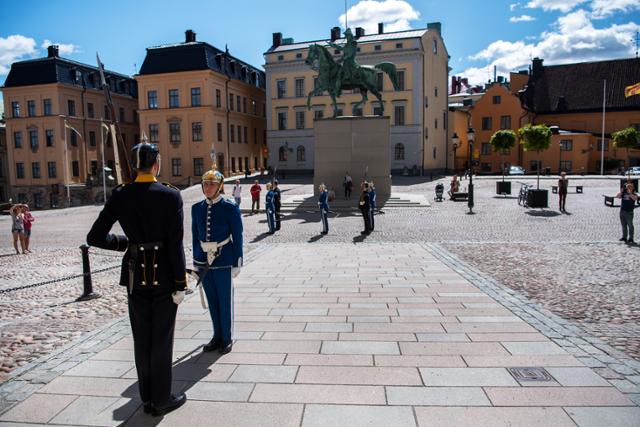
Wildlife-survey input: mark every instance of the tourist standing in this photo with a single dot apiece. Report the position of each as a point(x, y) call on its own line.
point(237, 192)
point(28, 220)
point(216, 227)
point(270, 208)
point(255, 196)
point(347, 183)
point(324, 208)
point(153, 269)
point(563, 187)
point(17, 227)
point(629, 198)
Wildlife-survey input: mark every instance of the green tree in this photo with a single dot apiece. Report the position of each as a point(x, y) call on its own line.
point(503, 141)
point(535, 138)
point(626, 138)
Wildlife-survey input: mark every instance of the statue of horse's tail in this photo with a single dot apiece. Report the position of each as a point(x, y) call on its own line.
point(390, 70)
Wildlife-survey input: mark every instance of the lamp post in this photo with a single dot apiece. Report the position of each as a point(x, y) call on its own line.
point(455, 143)
point(470, 137)
point(560, 161)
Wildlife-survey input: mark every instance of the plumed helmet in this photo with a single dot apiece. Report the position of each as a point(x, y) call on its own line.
point(144, 155)
point(213, 175)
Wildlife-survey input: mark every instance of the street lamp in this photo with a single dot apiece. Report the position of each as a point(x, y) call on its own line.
point(470, 137)
point(455, 139)
point(560, 162)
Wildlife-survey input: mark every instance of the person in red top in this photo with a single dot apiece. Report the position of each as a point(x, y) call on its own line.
point(255, 196)
point(28, 220)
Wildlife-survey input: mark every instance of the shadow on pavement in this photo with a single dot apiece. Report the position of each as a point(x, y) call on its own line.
point(542, 213)
point(315, 238)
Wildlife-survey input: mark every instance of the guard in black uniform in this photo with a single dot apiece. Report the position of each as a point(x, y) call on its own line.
point(365, 207)
point(277, 202)
point(153, 270)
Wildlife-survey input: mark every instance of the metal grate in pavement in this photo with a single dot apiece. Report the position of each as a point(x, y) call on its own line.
point(530, 374)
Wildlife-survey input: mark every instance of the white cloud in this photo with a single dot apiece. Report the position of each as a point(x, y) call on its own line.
point(572, 39)
point(395, 14)
point(63, 49)
point(522, 18)
point(604, 8)
point(513, 6)
point(561, 5)
point(14, 48)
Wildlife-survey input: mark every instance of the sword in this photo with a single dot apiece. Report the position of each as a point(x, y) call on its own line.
point(199, 278)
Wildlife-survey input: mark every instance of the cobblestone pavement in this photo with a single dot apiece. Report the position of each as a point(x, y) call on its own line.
point(580, 258)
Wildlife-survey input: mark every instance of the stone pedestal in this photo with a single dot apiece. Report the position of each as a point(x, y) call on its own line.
point(359, 145)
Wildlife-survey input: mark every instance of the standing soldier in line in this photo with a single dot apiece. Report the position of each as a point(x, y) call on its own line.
point(153, 269)
point(270, 208)
point(323, 202)
point(277, 203)
point(216, 227)
point(365, 206)
point(372, 204)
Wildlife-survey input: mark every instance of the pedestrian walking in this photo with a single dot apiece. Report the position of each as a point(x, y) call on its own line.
point(563, 186)
point(323, 203)
point(216, 227)
point(255, 196)
point(247, 172)
point(237, 192)
point(277, 203)
point(28, 220)
point(365, 207)
point(270, 208)
point(628, 197)
point(347, 183)
point(372, 205)
point(17, 227)
point(153, 270)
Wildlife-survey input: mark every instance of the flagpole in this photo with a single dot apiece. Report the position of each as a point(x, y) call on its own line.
point(604, 102)
point(66, 165)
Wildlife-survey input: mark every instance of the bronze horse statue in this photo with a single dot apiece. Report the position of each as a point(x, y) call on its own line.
point(346, 74)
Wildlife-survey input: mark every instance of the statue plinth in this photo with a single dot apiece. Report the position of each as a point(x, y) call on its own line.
point(359, 145)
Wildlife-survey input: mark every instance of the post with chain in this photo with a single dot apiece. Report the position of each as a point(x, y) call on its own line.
point(86, 276)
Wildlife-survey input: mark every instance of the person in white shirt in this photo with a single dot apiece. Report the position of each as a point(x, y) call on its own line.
point(237, 192)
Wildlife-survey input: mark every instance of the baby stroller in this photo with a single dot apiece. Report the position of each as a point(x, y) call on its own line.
point(439, 191)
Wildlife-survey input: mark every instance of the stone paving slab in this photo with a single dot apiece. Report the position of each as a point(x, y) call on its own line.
point(415, 340)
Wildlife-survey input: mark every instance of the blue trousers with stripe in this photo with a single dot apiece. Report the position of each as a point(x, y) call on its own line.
point(325, 220)
point(219, 290)
point(271, 220)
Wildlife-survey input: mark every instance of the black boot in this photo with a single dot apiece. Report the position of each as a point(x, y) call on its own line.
point(174, 403)
point(211, 345)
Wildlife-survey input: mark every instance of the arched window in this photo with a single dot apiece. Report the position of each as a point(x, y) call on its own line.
point(399, 151)
point(282, 154)
point(300, 154)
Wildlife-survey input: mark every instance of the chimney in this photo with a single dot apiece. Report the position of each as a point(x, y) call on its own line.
point(277, 39)
point(189, 36)
point(435, 26)
point(335, 33)
point(359, 32)
point(380, 27)
point(52, 51)
point(537, 69)
point(454, 85)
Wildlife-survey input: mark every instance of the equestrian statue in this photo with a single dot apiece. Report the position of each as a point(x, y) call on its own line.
point(346, 74)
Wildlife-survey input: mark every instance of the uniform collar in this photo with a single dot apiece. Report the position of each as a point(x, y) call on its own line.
point(213, 201)
point(145, 177)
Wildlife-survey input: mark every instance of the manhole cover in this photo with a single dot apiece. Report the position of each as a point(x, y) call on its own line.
point(530, 374)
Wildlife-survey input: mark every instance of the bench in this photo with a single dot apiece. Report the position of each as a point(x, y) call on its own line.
point(554, 189)
point(459, 196)
point(609, 200)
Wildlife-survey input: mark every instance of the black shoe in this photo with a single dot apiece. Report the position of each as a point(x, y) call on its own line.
point(211, 345)
point(631, 242)
point(224, 349)
point(622, 239)
point(147, 407)
point(174, 403)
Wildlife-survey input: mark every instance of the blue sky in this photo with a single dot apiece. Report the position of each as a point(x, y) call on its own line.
point(478, 34)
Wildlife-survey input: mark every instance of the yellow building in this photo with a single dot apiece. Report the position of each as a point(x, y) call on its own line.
point(39, 95)
point(196, 100)
point(418, 110)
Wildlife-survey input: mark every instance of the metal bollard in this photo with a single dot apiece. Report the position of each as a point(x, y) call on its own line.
point(86, 272)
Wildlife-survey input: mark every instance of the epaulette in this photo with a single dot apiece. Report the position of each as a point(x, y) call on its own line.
point(119, 186)
point(228, 199)
point(166, 184)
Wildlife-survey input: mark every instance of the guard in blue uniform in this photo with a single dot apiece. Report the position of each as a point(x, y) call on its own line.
point(323, 202)
point(216, 227)
point(153, 270)
point(270, 207)
point(372, 205)
point(365, 207)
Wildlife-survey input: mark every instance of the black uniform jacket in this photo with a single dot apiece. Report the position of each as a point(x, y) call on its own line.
point(148, 212)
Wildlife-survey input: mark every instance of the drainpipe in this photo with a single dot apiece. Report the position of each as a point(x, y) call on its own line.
point(228, 154)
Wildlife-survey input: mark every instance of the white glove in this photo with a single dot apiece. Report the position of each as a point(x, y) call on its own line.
point(177, 296)
point(236, 270)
